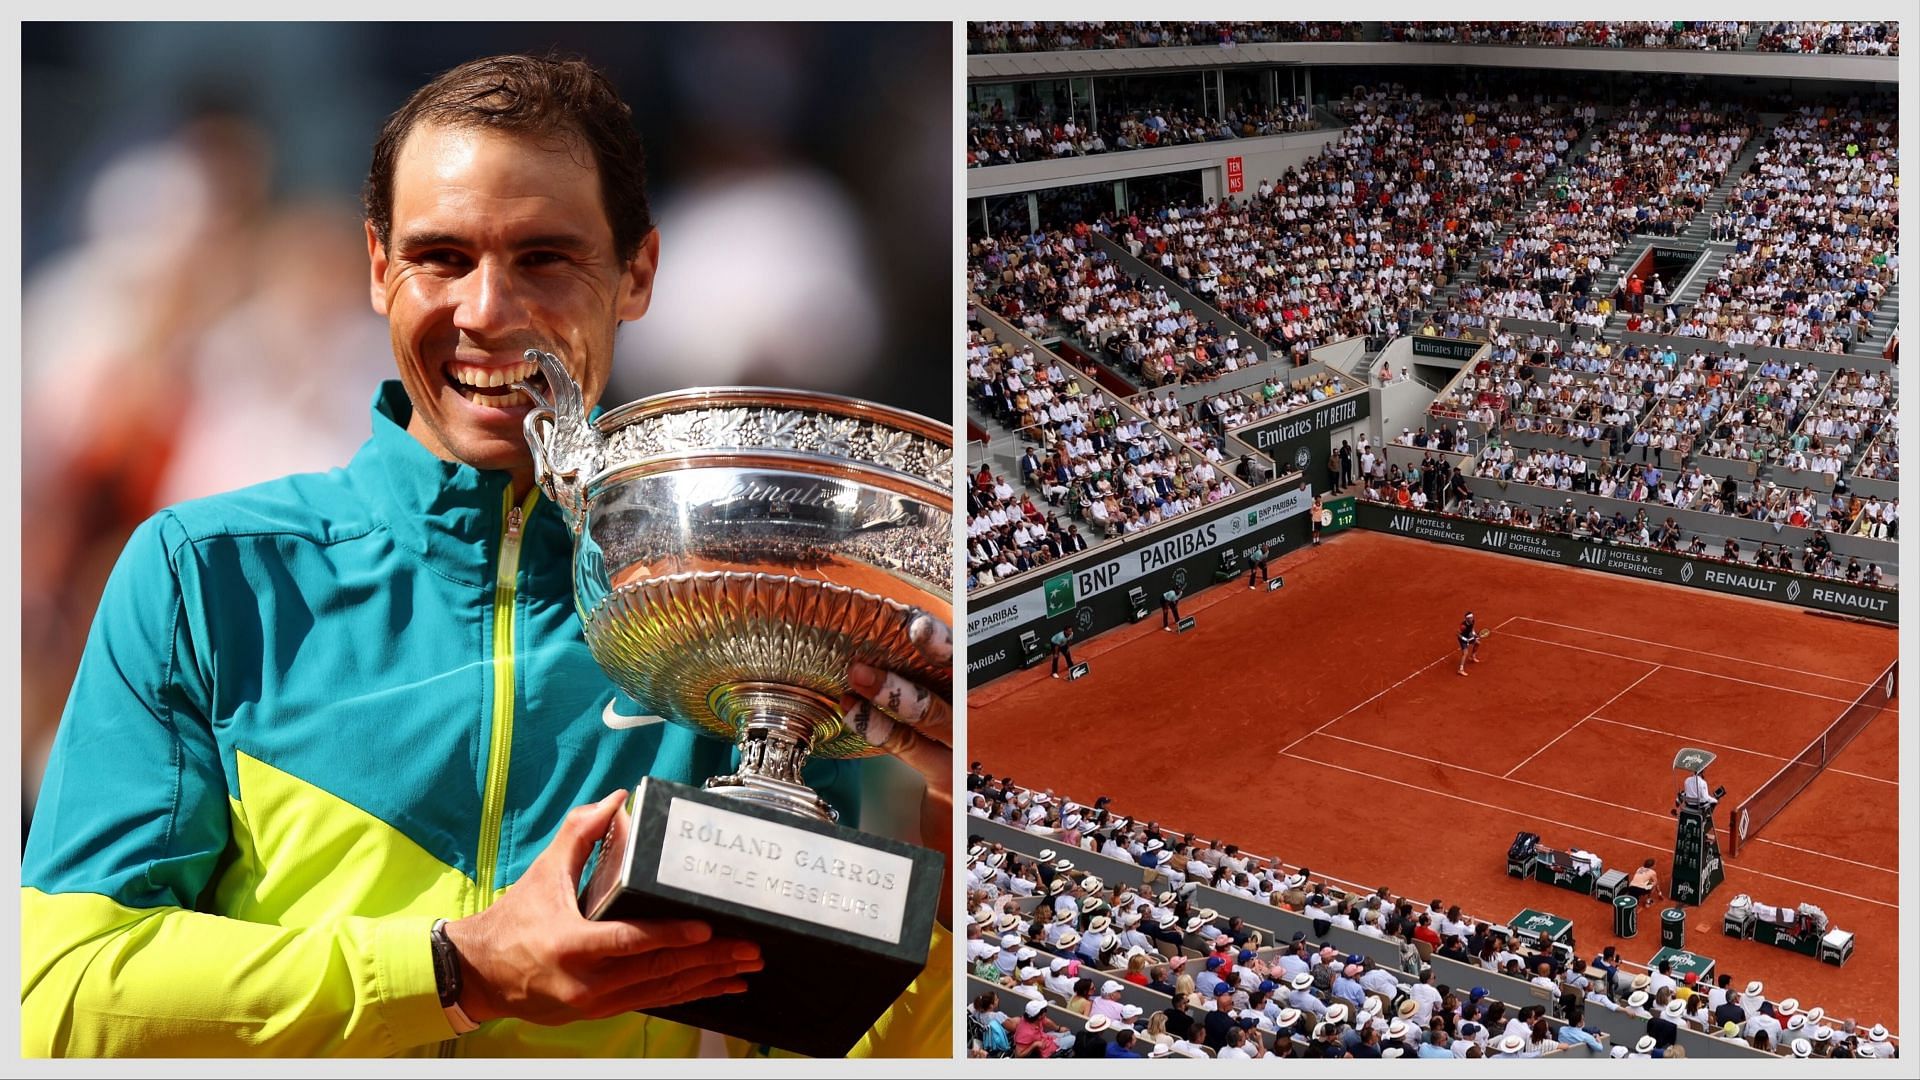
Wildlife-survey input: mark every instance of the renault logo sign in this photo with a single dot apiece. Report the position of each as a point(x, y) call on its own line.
point(1686, 572)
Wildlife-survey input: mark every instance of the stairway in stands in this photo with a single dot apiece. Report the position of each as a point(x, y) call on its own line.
point(1701, 227)
point(1469, 267)
point(1002, 452)
point(1886, 315)
point(1696, 235)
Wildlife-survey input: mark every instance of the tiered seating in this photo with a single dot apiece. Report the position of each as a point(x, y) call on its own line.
point(1087, 457)
point(994, 138)
point(1817, 224)
point(1347, 243)
point(1007, 533)
point(1006, 37)
point(1882, 459)
point(1486, 394)
point(1767, 408)
point(1649, 170)
point(1580, 407)
point(1060, 283)
point(1709, 36)
point(1111, 924)
point(1831, 38)
point(1687, 402)
point(1871, 517)
point(1263, 400)
point(1849, 416)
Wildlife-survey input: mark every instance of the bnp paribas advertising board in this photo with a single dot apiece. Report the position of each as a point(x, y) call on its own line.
point(1741, 579)
point(1302, 440)
point(1099, 589)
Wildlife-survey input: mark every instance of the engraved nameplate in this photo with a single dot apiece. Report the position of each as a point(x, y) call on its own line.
point(783, 870)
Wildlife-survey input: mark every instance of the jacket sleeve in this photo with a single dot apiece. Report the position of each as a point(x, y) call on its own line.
point(128, 833)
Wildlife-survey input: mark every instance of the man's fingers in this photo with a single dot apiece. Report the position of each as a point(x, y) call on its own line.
point(717, 959)
point(932, 759)
point(629, 937)
point(580, 830)
point(904, 701)
point(932, 636)
point(687, 986)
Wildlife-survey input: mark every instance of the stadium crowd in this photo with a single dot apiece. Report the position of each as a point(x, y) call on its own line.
point(994, 138)
point(1711, 35)
point(1649, 169)
point(1352, 241)
point(1086, 456)
point(1816, 230)
point(1061, 281)
point(1708, 36)
point(1065, 964)
point(1008, 37)
point(1831, 38)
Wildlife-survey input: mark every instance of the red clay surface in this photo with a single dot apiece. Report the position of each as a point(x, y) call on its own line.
point(1324, 724)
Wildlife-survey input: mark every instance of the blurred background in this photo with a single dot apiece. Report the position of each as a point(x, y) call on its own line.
point(195, 312)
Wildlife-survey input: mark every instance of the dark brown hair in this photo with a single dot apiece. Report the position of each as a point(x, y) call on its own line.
point(540, 96)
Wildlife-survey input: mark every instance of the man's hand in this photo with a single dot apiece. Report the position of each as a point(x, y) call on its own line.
point(915, 724)
point(532, 955)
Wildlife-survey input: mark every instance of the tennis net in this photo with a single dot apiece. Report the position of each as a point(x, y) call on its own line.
point(1784, 786)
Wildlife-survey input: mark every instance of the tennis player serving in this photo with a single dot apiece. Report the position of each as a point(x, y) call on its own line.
point(1470, 639)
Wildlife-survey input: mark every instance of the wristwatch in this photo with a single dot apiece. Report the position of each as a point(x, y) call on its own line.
point(446, 977)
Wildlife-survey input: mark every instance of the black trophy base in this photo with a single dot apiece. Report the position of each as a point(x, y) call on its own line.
point(843, 919)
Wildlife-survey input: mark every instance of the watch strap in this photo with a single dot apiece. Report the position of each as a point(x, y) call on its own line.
point(446, 977)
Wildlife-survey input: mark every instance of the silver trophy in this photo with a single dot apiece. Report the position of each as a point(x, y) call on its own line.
point(736, 549)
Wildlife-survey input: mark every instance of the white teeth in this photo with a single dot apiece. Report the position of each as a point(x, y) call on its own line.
point(497, 401)
point(478, 375)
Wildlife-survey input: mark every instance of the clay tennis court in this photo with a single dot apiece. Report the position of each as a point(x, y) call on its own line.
point(1324, 724)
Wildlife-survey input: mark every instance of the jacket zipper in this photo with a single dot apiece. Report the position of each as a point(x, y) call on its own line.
point(500, 748)
point(500, 741)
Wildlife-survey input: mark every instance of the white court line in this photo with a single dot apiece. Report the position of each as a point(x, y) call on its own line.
point(1656, 667)
point(1677, 667)
point(1374, 698)
point(1729, 746)
point(1700, 652)
point(1569, 794)
point(1659, 849)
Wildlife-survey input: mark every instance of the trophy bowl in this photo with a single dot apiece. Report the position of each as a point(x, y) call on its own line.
point(736, 549)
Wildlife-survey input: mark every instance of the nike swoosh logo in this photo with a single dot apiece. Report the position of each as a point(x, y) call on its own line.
point(618, 722)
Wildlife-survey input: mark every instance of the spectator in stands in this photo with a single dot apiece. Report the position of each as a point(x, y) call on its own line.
point(1663, 1026)
point(1729, 1009)
point(1037, 1035)
point(1092, 1040)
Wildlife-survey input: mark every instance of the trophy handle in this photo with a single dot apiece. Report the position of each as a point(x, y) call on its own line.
point(566, 447)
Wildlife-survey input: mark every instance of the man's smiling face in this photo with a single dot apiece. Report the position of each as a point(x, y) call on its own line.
point(499, 243)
